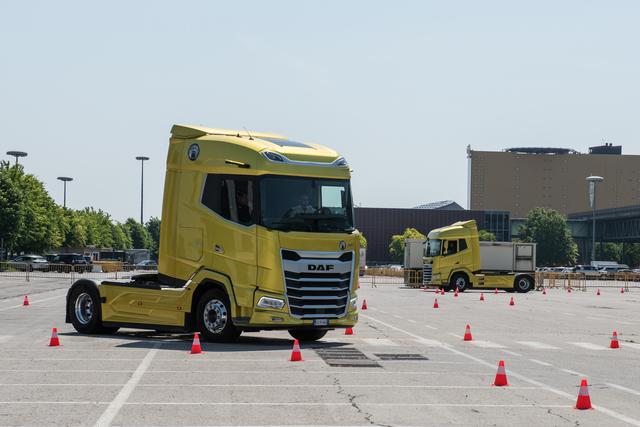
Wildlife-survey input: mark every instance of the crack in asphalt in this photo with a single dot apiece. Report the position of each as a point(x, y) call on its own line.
point(368, 417)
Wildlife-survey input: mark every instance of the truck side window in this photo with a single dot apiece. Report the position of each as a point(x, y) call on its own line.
point(452, 247)
point(462, 245)
point(231, 198)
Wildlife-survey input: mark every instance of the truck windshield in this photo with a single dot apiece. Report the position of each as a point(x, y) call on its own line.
point(306, 204)
point(433, 248)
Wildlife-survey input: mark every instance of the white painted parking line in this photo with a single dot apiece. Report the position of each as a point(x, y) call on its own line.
point(604, 410)
point(411, 320)
point(569, 371)
point(589, 346)
point(397, 317)
point(121, 398)
point(379, 341)
point(455, 335)
point(540, 362)
point(628, 390)
point(383, 312)
point(430, 327)
point(633, 345)
point(429, 343)
point(512, 353)
point(486, 344)
point(538, 345)
point(390, 386)
point(568, 314)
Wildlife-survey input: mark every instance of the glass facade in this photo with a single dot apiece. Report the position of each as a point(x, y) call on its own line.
point(497, 222)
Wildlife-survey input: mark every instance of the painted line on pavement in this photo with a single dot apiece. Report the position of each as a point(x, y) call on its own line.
point(486, 344)
point(377, 341)
point(604, 410)
point(430, 327)
point(512, 353)
point(628, 390)
point(121, 398)
point(589, 346)
point(278, 372)
point(411, 320)
point(168, 386)
point(538, 345)
point(32, 303)
point(569, 371)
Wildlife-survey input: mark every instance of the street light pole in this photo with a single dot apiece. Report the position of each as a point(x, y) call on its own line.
point(592, 180)
point(142, 159)
point(17, 154)
point(65, 179)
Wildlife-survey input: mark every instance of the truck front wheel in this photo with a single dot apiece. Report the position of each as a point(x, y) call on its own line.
point(460, 281)
point(85, 312)
point(214, 317)
point(308, 334)
point(523, 284)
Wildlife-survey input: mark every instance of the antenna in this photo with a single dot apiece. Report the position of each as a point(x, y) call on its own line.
point(245, 129)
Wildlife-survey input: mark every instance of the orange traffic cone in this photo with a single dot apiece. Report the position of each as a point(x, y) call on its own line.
point(455, 294)
point(614, 340)
point(54, 342)
point(511, 302)
point(442, 291)
point(348, 331)
point(568, 290)
point(622, 290)
point(501, 376)
point(364, 304)
point(495, 292)
point(584, 401)
point(598, 293)
point(435, 303)
point(296, 356)
point(481, 296)
point(195, 347)
point(544, 291)
point(26, 301)
point(467, 334)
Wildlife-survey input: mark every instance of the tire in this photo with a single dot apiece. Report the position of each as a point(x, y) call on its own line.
point(523, 284)
point(213, 317)
point(85, 311)
point(460, 281)
point(307, 335)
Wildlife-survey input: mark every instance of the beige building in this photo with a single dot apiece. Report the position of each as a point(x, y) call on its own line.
point(520, 179)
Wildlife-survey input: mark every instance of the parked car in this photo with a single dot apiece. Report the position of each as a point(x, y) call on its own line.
point(148, 264)
point(30, 263)
point(75, 261)
point(587, 270)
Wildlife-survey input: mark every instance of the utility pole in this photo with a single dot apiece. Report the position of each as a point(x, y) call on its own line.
point(65, 179)
point(592, 180)
point(142, 160)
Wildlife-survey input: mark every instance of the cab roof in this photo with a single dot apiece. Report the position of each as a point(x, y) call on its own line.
point(457, 229)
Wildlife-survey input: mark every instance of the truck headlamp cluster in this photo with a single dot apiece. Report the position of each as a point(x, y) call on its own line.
point(266, 302)
point(354, 303)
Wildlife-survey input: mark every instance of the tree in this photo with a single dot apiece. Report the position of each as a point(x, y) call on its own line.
point(486, 236)
point(548, 228)
point(30, 221)
point(631, 254)
point(140, 238)
point(153, 228)
point(610, 252)
point(396, 247)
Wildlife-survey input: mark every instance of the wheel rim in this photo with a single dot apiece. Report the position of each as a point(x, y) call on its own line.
point(523, 284)
point(461, 283)
point(215, 316)
point(84, 308)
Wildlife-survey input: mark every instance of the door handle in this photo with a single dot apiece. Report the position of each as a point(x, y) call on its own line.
point(218, 249)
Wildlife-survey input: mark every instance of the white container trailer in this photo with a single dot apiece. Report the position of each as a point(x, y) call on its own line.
point(507, 256)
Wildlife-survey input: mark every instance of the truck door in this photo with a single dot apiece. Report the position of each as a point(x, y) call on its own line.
point(231, 232)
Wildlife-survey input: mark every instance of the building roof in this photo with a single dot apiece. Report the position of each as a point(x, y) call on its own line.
point(445, 205)
point(541, 150)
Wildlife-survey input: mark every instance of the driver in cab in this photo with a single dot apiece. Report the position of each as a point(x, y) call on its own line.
point(303, 208)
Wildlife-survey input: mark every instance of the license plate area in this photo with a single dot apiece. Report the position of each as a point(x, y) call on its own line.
point(320, 322)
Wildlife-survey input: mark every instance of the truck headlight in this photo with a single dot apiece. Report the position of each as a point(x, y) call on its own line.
point(354, 303)
point(266, 302)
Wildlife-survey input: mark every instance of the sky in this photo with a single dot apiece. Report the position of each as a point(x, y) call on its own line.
point(399, 88)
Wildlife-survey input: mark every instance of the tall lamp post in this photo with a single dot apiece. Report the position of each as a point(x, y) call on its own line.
point(65, 179)
point(142, 159)
point(17, 155)
point(592, 180)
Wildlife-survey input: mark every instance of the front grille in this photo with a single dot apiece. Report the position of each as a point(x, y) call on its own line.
point(318, 284)
point(426, 274)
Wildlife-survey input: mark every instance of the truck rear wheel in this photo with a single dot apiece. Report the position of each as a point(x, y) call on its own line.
point(460, 281)
point(85, 312)
point(523, 284)
point(308, 334)
point(214, 317)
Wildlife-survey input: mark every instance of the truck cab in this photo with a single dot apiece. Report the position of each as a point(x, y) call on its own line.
point(257, 233)
point(454, 257)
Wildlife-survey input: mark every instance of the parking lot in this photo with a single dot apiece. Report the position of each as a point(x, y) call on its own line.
point(406, 364)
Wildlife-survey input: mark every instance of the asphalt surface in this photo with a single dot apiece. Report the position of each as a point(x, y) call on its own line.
point(548, 342)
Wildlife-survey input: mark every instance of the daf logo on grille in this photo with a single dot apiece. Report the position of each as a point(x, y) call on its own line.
point(320, 267)
point(342, 245)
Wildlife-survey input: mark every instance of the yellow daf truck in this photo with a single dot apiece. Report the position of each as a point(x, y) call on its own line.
point(257, 233)
point(454, 257)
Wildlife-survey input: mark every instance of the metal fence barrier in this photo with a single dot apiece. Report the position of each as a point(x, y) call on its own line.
point(102, 271)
